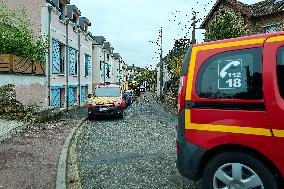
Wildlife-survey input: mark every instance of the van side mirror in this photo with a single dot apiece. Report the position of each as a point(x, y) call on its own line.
point(90, 95)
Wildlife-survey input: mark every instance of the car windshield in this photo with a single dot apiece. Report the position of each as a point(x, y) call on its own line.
point(107, 92)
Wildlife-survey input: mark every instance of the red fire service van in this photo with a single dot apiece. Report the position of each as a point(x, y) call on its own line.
point(231, 102)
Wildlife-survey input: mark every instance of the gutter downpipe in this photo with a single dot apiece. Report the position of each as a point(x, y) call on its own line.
point(49, 58)
point(104, 66)
point(79, 66)
point(67, 63)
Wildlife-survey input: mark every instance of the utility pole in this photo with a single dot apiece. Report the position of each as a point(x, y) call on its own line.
point(161, 64)
point(161, 60)
point(194, 21)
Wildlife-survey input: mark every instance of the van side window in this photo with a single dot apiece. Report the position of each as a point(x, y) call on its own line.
point(232, 75)
point(280, 71)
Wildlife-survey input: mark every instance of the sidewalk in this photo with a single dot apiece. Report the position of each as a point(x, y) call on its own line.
point(30, 159)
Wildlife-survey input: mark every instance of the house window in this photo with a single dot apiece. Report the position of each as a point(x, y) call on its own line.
point(62, 58)
point(87, 65)
point(58, 52)
point(108, 71)
point(232, 75)
point(73, 61)
point(270, 29)
point(74, 22)
point(62, 13)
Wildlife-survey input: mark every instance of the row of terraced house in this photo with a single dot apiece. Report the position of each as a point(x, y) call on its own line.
point(76, 60)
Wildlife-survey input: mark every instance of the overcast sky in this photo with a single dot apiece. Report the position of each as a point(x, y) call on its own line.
point(129, 25)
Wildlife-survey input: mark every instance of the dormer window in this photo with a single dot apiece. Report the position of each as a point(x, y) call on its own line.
point(74, 22)
point(62, 11)
point(85, 28)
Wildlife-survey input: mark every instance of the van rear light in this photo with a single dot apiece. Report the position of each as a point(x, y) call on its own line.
point(181, 92)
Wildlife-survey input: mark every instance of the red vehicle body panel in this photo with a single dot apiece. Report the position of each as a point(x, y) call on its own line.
point(270, 119)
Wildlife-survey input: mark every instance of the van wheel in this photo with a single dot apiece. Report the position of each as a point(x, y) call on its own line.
point(236, 170)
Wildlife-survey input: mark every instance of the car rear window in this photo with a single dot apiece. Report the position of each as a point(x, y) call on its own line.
point(107, 92)
point(232, 75)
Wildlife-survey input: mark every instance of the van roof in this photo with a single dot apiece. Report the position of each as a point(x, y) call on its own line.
point(109, 85)
point(258, 36)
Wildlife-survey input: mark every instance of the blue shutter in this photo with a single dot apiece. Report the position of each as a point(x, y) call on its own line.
point(71, 96)
point(72, 61)
point(55, 98)
point(83, 95)
point(55, 56)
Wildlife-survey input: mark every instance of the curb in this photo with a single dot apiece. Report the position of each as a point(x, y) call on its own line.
point(62, 164)
point(14, 131)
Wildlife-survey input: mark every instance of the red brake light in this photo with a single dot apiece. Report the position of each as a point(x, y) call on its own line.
point(181, 92)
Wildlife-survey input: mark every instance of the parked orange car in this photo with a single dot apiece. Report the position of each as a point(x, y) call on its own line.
point(106, 100)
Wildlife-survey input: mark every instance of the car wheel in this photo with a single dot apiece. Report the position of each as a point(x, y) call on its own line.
point(120, 114)
point(236, 170)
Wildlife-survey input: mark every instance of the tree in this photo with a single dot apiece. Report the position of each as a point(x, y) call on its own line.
point(225, 25)
point(174, 61)
point(150, 76)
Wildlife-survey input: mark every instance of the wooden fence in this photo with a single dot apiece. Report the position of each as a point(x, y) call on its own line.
point(12, 64)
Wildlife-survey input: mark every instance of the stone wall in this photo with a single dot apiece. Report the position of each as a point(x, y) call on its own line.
point(250, 25)
point(29, 90)
point(244, 21)
point(261, 22)
point(9, 107)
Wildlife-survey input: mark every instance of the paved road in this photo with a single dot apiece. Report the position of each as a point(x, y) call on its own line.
point(136, 152)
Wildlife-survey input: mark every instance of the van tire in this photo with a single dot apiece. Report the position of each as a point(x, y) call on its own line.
point(237, 158)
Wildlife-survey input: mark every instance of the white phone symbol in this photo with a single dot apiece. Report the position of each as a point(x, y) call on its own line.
point(223, 72)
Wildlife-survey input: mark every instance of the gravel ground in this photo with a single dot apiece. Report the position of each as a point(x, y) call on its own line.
point(29, 160)
point(136, 152)
point(6, 126)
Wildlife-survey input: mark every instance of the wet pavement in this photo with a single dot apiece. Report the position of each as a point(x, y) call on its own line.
point(136, 152)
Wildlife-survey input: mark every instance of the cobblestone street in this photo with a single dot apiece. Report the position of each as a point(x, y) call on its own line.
point(136, 152)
